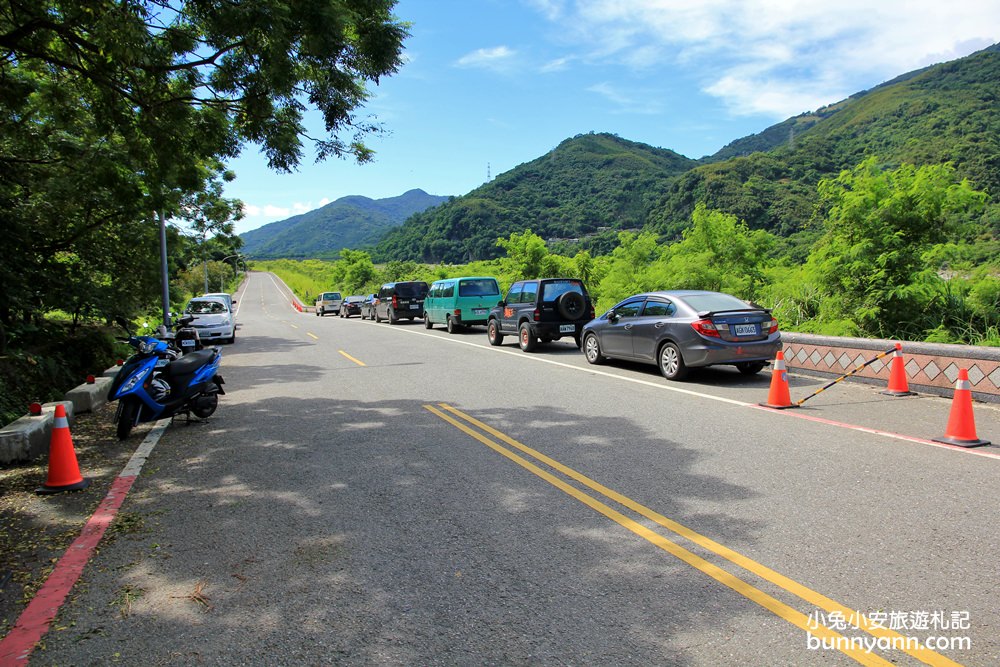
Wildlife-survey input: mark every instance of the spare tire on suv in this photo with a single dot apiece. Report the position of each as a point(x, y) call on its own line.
point(541, 310)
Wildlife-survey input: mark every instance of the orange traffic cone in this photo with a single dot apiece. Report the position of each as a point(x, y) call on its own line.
point(898, 386)
point(961, 429)
point(64, 471)
point(778, 396)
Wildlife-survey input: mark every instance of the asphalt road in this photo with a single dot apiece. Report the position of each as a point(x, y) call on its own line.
point(370, 494)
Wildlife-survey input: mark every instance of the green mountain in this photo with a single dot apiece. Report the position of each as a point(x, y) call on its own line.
point(592, 185)
point(349, 222)
point(589, 184)
point(943, 113)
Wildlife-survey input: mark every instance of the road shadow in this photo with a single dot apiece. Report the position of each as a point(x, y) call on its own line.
point(321, 531)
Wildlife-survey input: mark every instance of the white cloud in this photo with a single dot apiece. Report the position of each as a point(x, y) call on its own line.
point(499, 58)
point(777, 57)
point(557, 65)
point(635, 103)
point(550, 9)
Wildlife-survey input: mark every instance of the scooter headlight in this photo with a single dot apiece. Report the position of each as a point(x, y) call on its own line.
point(130, 384)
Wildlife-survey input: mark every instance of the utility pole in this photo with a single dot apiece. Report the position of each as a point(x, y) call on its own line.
point(165, 277)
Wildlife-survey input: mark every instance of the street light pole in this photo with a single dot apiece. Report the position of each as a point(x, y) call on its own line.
point(236, 269)
point(164, 275)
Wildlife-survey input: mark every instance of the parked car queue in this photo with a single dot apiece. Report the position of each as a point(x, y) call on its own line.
point(675, 330)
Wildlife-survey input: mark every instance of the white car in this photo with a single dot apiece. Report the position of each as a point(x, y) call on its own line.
point(214, 320)
point(228, 298)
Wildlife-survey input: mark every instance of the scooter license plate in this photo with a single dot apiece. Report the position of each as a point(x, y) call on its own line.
point(187, 343)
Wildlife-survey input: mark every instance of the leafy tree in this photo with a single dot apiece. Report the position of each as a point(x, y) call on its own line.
point(716, 253)
point(527, 254)
point(628, 268)
point(114, 113)
point(870, 265)
point(359, 272)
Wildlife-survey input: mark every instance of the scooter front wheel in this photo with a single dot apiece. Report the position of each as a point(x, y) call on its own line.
point(125, 419)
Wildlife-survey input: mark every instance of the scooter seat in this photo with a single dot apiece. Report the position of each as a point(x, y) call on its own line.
point(191, 362)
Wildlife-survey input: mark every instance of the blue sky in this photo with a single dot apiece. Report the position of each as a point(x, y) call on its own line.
point(490, 84)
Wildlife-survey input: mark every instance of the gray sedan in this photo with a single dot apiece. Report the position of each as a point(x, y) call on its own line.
point(681, 329)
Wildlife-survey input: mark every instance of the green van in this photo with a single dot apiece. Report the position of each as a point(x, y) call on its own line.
point(457, 302)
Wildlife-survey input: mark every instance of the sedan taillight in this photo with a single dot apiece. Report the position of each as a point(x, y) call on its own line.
point(706, 328)
point(772, 326)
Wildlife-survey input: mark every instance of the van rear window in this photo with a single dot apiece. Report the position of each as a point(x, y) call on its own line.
point(411, 289)
point(478, 287)
point(330, 296)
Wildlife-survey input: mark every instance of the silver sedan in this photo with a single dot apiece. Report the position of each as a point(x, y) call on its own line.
point(681, 329)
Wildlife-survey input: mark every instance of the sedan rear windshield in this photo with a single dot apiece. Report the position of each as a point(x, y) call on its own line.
point(712, 302)
point(553, 290)
point(206, 307)
point(478, 287)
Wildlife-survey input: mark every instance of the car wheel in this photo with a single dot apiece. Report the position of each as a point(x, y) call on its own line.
point(525, 338)
point(450, 324)
point(391, 314)
point(672, 363)
point(571, 305)
point(493, 333)
point(427, 322)
point(750, 367)
point(378, 318)
point(592, 349)
point(317, 313)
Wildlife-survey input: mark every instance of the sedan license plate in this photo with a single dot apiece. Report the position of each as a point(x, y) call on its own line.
point(567, 328)
point(745, 329)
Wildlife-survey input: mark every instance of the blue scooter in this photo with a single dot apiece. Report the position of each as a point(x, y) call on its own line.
point(157, 382)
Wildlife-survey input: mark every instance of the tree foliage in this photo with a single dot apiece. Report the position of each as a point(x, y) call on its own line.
point(113, 113)
point(871, 264)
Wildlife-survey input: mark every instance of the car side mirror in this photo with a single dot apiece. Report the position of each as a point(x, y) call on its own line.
point(502, 303)
point(613, 316)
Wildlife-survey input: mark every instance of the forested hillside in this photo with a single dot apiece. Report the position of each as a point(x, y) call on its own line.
point(592, 186)
point(588, 184)
point(349, 222)
point(945, 113)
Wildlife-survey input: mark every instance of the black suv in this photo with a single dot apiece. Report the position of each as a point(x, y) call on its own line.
point(541, 310)
point(399, 301)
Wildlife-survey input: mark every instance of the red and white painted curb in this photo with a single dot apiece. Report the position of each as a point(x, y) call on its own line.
point(37, 617)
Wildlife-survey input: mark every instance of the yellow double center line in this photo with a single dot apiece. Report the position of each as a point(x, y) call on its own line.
point(489, 437)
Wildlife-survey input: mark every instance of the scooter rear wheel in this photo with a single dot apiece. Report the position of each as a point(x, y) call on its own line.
point(205, 406)
point(126, 418)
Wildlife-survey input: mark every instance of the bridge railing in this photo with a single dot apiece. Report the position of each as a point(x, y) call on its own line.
point(930, 367)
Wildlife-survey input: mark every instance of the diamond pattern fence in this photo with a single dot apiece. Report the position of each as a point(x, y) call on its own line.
point(931, 368)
